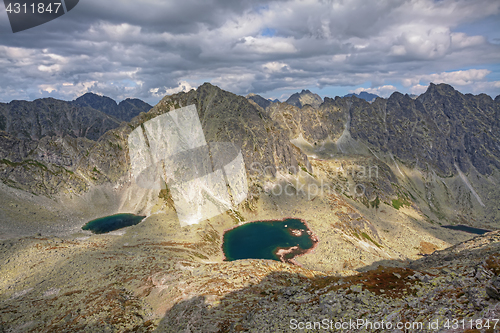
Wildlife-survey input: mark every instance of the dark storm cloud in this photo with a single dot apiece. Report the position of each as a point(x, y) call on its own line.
point(147, 49)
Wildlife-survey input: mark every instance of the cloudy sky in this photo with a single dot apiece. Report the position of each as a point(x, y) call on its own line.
point(150, 48)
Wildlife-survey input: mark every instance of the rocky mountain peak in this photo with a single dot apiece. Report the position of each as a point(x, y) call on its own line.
point(125, 110)
point(51, 117)
point(226, 117)
point(440, 89)
point(398, 96)
point(95, 101)
point(303, 98)
point(259, 100)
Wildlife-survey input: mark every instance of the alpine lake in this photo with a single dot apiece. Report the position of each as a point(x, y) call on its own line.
point(280, 240)
point(113, 222)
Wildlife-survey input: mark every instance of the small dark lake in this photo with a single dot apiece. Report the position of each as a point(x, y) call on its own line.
point(468, 229)
point(113, 222)
point(275, 240)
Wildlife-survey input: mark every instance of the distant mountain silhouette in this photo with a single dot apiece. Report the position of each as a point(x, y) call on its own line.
point(52, 117)
point(364, 95)
point(259, 100)
point(126, 110)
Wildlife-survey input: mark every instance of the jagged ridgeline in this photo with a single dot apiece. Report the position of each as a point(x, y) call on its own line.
point(434, 161)
point(53, 118)
point(439, 129)
point(226, 117)
point(49, 146)
point(442, 147)
point(125, 110)
point(70, 162)
point(439, 151)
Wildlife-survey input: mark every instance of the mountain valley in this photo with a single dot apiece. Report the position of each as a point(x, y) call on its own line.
point(375, 182)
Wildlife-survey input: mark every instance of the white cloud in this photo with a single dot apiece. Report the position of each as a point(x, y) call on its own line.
point(398, 50)
point(312, 43)
point(182, 86)
point(417, 89)
point(47, 87)
point(423, 44)
point(383, 91)
point(242, 83)
point(49, 69)
point(481, 87)
point(266, 45)
point(460, 40)
point(274, 66)
point(457, 78)
point(471, 80)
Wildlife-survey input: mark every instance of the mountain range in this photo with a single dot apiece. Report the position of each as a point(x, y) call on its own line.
point(305, 97)
point(442, 132)
point(88, 116)
point(376, 182)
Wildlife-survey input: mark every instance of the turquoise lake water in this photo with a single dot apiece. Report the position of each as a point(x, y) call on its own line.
point(113, 222)
point(261, 240)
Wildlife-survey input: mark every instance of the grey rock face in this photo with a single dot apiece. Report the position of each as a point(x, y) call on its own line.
point(493, 289)
point(131, 107)
point(226, 117)
point(467, 128)
point(303, 98)
point(14, 149)
point(441, 128)
point(101, 103)
point(314, 124)
point(259, 100)
point(52, 117)
point(44, 166)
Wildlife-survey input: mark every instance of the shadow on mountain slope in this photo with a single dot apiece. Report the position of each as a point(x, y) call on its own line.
point(456, 282)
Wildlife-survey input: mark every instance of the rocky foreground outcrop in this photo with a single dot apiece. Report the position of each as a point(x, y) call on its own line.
point(142, 284)
point(456, 289)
